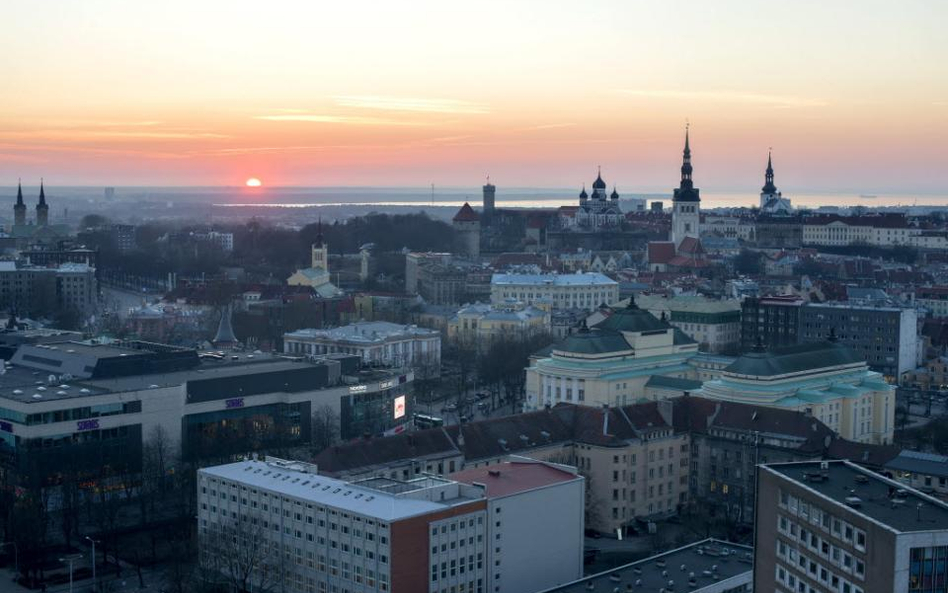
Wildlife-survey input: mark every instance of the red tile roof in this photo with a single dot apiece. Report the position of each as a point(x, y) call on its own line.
point(504, 479)
point(660, 252)
point(690, 246)
point(466, 214)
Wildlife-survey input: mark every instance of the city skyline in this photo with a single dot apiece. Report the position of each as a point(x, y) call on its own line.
point(533, 95)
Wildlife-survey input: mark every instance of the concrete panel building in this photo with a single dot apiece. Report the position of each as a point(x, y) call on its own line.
point(825, 527)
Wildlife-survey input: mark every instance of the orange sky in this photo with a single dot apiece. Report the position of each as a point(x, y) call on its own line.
point(852, 96)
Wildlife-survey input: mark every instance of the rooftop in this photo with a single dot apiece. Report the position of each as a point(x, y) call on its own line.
point(514, 477)
point(917, 462)
point(381, 498)
point(794, 359)
point(364, 332)
point(868, 494)
point(583, 279)
point(706, 562)
point(689, 304)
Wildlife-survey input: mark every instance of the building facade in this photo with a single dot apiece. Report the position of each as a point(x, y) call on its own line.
point(598, 211)
point(428, 533)
point(610, 363)
point(715, 325)
point(555, 291)
point(771, 321)
point(376, 343)
point(833, 526)
point(826, 380)
point(885, 335)
point(933, 298)
point(483, 324)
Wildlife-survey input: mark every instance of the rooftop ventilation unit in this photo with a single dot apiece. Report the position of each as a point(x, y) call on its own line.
point(853, 501)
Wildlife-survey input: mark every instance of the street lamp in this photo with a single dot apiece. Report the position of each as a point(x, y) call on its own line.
point(70, 559)
point(16, 558)
point(94, 582)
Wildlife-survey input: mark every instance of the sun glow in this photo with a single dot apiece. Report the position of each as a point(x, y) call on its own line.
point(253, 182)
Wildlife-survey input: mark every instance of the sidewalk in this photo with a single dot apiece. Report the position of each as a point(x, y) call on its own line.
point(127, 583)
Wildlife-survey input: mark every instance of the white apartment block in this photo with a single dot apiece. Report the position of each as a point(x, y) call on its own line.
point(300, 532)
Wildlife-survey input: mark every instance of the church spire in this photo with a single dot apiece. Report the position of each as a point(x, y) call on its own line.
point(42, 209)
point(19, 193)
point(686, 189)
point(42, 194)
point(769, 187)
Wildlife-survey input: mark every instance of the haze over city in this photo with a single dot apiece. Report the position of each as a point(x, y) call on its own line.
point(535, 94)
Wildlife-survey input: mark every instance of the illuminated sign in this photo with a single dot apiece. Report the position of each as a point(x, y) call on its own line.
point(87, 425)
point(399, 407)
point(357, 388)
point(237, 402)
point(387, 384)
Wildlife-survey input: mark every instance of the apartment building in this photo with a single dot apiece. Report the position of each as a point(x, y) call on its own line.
point(302, 532)
point(933, 298)
point(770, 321)
point(833, 526)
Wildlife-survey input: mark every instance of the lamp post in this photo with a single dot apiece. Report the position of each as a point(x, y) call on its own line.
point(70, 559)
point(93, 542)
point(16, 558)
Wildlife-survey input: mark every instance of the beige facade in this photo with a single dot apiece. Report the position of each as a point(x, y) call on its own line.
point(481, 324)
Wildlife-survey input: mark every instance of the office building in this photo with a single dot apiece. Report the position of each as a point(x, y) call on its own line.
point(37, 290)
point(707, 566)
point(379, 534)
point(84, 405)
point(885, 335)
point(377, 343)
point(555, 291)
point(833, 526)
point(771, 321)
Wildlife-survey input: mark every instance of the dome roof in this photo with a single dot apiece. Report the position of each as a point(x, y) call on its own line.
point(599, 183)
point(593, 341)
point(632, 319)
point(583, 193)
point(615, 194)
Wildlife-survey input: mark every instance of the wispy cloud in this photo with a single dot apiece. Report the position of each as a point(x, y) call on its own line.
point(411, 104)
point(341, 119)
point(776, 101)
point(547, 127)
point(75, 134)
point(940, 103)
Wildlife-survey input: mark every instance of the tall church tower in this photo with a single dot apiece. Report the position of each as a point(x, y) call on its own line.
point(19, 210)
point(769, 191)
point(686, 203)
point(320, 249)
point(42, 209)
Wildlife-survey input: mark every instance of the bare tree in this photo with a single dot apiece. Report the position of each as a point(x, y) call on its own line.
point(324, 431)
point(240, 552)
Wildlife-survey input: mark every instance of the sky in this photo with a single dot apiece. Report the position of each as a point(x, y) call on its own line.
point(851, 96)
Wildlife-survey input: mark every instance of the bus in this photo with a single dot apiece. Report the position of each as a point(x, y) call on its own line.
point(423, 421)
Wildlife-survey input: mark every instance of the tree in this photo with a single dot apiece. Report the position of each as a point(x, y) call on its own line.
point(747, 262)
point(240, 552)
point(93, 221)
point(325, 428)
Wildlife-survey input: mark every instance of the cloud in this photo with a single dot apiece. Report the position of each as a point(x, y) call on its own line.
point(340, 119)
point(411, 104)
point(776, 101)
point(78, 135)
point(547, 127)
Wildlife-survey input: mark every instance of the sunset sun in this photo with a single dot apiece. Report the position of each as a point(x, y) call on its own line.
point(253, 182)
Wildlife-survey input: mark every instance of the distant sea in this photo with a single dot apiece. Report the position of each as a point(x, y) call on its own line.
point(421, 197)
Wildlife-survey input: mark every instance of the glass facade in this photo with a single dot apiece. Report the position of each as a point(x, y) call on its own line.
point(927, 570)
point(239, 429)
point(373, 413)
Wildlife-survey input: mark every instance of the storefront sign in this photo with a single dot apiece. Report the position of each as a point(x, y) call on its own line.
point(237, 402)
point(357, 388)
point(387, 384)
point(87, 425)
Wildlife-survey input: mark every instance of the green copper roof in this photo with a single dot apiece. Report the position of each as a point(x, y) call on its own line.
point(794, 359)
point(595, 341)
point(632, 319)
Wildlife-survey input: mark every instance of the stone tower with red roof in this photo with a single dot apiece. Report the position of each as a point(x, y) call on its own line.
point(467, 228)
